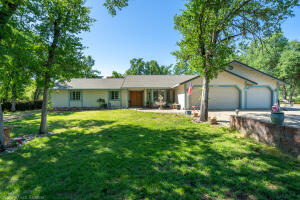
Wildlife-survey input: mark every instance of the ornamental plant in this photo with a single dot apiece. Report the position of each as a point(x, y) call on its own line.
point(100, 100)
point(276, 108)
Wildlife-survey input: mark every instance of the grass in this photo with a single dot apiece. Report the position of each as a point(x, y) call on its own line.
point(19, 114)
point(132, 155)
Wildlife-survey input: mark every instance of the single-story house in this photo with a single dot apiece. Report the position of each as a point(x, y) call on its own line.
point(238, 87)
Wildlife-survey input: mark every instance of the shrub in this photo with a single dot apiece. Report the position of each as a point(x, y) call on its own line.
point(22, 106)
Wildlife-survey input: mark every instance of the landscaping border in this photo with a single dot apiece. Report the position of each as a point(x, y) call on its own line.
point(286, 138)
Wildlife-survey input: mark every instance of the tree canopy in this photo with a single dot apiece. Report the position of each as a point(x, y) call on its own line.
point(210, 30)
point(275, 55)
point(140, 67)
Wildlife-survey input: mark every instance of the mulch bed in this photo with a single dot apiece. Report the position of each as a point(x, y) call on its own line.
point(18, 142)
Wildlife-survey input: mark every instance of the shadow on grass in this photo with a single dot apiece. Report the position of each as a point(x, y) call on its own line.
point(30, 124)
point(134, 162)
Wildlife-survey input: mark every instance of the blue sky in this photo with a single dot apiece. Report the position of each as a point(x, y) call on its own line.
point(144, 29)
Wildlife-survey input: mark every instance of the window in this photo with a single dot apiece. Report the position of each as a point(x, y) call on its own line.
point(75, 96)
point(157, 93)
point(114, 95)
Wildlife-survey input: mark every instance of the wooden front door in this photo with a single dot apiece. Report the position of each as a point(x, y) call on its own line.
point(136, 98)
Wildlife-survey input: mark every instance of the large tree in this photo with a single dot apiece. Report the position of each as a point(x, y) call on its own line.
point(289, 66)
point(17, 58)
point(116, 74)
point(272, 56)
point(60, 23)
point(7, 9)
point(140, 67)
point(88, 71)
point(210, 29)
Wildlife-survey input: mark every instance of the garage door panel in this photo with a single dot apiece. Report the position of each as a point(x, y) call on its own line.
point(219, 98)
point(223, 98)
point(258, 98)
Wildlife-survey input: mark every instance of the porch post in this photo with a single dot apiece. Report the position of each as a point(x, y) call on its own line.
point(152, 96)
point(185, 99)
point(145, 98)
point(121, 99)
point(245, 106)
point(127, 98)
point(277, 91)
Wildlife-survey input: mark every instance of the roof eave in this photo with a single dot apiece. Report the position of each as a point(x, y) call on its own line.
point(263, 73)
point(186, 81)
point(241, 77)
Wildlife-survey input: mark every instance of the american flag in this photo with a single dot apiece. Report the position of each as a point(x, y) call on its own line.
point(190, 89)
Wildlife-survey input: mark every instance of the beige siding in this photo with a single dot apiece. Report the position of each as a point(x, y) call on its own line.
point(90, 97)
point(257, 77)
point(59, 98)
point(179, 96)
point(254, 76)
point(124, 99)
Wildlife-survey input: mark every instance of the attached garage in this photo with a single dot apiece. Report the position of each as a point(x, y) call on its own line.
point(223, 98)
point(220, 98)
point(259, 98)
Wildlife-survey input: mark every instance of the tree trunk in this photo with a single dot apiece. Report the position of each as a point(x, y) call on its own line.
point(5, 99)
point(1, 128)
point(13, 98)
point(43, 126)
point(292, 93)
point(37, 93)
point(284, 92)
point(204, 99)
point(51, 55)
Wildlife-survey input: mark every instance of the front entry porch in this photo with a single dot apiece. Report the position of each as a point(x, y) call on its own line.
point(147, 97)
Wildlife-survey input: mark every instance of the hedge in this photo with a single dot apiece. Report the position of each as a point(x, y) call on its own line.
point(22, 106)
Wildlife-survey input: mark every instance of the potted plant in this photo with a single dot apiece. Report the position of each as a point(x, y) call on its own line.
point(149, 104)
point(195, 112)
point(277, 117)
point(178, 107)
point(101, 102)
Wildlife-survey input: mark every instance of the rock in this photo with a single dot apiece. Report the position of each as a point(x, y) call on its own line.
point(213, 121)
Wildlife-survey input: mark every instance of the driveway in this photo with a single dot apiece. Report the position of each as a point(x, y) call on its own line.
point(292, 115)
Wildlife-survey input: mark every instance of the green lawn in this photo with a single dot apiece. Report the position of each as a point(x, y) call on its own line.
point(133, 155)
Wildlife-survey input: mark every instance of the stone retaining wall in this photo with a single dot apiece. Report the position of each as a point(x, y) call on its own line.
point(286, 138)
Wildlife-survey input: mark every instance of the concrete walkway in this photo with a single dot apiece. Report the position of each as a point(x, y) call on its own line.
point(292, 115)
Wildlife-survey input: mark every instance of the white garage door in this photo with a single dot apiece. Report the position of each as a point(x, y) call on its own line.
point(220, 98)
point(258, 97)
point(223, 98)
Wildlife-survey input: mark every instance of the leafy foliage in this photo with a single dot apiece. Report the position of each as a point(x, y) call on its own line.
point(139, 67)
point(277, 56)
point(211, 28)
point(114, 5)
point(88, 71)
point(116, 74)
point(265, 54)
